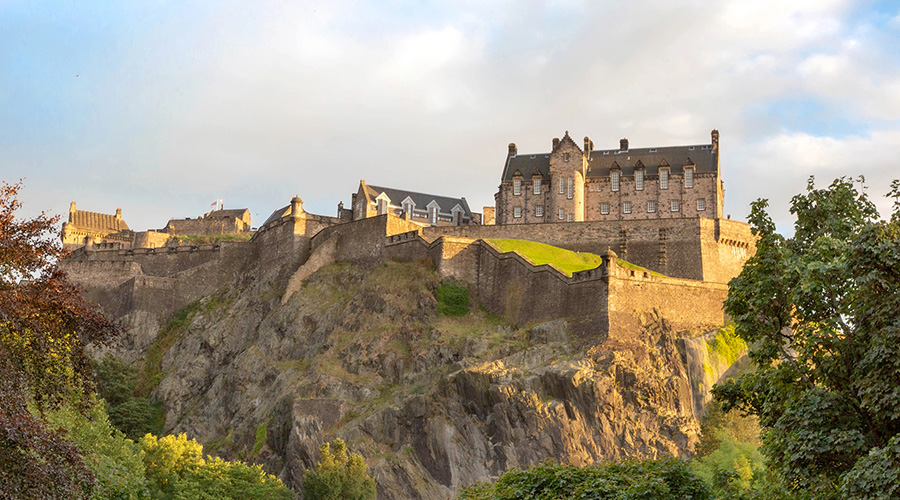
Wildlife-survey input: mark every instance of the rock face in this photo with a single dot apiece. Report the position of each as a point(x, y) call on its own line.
point(433, 403)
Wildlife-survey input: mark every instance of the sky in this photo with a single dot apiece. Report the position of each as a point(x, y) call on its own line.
point(161, 107)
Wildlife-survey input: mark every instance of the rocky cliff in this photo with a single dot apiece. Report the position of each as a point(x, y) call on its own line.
point(434, 403)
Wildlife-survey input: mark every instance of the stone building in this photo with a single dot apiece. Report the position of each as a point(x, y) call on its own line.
point(426, 209)
point(573, 183)
point(93, 228)
point(231, 221)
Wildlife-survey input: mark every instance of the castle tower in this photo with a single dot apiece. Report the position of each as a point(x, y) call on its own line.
point(568, 164)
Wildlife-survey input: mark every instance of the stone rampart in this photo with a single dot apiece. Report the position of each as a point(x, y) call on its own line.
point(693, 248)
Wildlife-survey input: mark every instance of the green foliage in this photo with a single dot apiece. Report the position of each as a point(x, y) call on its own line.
point(338, 476)
point(206, 239)
point(261, 436)
point(453, 299)
point(661, 479)
point(117, 384)
point(727, 347)
point(819, 310)
point(176, 469)
point(114, 460)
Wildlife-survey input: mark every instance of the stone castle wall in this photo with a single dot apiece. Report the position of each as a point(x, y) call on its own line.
point(692, 248)
point(206, 226)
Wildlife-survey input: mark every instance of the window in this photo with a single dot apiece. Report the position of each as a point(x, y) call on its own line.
point(570, 188)
point(382, 207)
point(689, 177)
point(407, 207)
point(517, 187)
point(562, 213)
point(664, 178)
point(517, 212)
point(701, 204)
point(566, 157)
point(639, 180)
point(674, 206)
point(539, 211)
point(614, 179)
point(536, 185)
point(604, 208)
point(562, 185)
point(432, 216)
point(570, 217)
point(626, 207)
point(651, 207)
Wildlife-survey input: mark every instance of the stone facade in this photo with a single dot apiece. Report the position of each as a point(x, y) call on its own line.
point(573, 183)
point(425, 209)
point(93, 228)
point(231, 221)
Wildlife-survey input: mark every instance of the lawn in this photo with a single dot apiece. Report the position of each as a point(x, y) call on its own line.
point(566, 260)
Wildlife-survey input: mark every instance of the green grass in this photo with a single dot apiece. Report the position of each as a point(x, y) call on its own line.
point(566, 260)
point(150, 374)
point(453, 299)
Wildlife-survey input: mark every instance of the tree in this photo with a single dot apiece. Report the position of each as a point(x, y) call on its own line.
point(338, 476)
point(820, 312)
point(43, 322)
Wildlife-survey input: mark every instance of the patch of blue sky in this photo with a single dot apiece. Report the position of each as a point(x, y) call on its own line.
point(809, 116)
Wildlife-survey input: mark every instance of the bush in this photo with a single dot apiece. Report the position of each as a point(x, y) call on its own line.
point(338, 476)
point(453, 299)
point(630, 479)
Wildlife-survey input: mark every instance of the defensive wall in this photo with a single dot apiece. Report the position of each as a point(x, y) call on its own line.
point(607, 300)
point(693, 248)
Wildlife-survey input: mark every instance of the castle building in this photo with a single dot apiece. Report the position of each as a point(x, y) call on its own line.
point(216, 222)
point(93, 228)
point(426, 209)
point(574, 184)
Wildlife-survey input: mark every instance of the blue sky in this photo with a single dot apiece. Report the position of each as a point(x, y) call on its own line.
point(162, 107)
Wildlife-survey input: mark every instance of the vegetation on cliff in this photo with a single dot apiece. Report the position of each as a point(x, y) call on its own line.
point(820, 312)
point(339, 475)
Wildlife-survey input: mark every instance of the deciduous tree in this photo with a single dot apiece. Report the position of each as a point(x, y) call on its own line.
point(820, 312)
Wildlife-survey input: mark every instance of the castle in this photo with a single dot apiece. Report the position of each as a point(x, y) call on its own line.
point(675, 261)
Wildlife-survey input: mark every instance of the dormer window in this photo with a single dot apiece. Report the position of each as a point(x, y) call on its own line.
point(664, 178)
point(536, 185)
point(639, 180)
point(614, 180)
point(382, 206)
point(688, 178)
point(517, 187)
point(432, 215)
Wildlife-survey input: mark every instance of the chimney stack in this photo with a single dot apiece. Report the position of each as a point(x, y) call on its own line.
point(555, 142)
point(118, 214)
point(715, 140)
point(512, 149)
point(623, 144)
point(588, 146)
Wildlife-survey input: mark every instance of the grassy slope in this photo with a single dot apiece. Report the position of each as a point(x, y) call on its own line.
point(566, 260)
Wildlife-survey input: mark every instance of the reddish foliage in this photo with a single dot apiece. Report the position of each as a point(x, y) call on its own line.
point(43, 322)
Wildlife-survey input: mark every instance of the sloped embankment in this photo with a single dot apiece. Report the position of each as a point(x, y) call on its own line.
point(434, 403)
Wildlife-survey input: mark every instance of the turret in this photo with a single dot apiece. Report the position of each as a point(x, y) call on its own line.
point(296, 206)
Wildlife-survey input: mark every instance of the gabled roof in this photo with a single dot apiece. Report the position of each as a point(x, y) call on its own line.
point(278, 214)
point(421, 200)
point(702, 155)
point(94, 220)
point(674, 157)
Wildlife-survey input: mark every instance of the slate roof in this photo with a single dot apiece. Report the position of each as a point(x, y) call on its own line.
point(702, 156)
point(94, 220)
point(421, 200)
point(278, 214)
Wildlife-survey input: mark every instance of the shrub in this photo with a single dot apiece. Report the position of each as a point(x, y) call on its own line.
point(338, 476)
point(453, 299)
